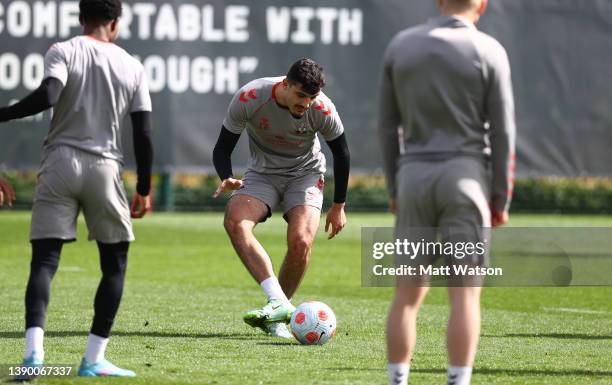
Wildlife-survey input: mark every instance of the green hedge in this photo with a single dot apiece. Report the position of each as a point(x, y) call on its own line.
point(368, 193)
point(584, 195)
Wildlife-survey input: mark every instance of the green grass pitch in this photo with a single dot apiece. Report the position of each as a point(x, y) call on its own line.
point(181, 317)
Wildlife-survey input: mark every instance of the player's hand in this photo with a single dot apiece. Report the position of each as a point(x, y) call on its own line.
point(6, 193)
point(336, 219)
point(229, 184)
point(393, 205)
point(140, 205)
point(499, 218)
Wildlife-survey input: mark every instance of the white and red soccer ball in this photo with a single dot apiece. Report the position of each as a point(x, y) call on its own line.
point(313, 323)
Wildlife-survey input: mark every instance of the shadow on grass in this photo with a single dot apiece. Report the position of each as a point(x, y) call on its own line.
point(491, 371)
point(84, 333)
point(568, 336)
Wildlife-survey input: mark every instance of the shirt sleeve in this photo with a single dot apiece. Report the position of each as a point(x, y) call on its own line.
point(56, 65)
point(331, 125)
point(142, 97)
point(389, 120)
point(237, 114)
point(502, 134)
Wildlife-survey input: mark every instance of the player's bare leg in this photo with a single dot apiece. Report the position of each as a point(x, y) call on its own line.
point(401, 323)
point(401, 329)
point(463, 333)
point(301, 231)
point(463, 325)
point(242, 214)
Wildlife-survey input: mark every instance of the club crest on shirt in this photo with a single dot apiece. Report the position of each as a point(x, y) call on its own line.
point(302, 128)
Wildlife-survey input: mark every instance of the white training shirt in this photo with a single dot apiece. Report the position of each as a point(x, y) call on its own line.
point(102, 84)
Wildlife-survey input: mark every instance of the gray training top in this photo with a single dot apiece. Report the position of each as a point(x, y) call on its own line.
point(444, 82)
point(279, 143)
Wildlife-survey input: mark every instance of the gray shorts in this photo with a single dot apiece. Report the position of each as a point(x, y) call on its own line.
point(304, 190)
point(71, 179)
point(445, 201)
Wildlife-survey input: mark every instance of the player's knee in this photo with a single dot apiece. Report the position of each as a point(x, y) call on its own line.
point(236, 227)
point(300, 244)
point(411, 295)
point(114, 265)
point(46, 255)
point(464, 297)
point(113, 257)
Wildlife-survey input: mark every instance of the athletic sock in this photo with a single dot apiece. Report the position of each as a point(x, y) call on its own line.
point(459, 375)
point(398, 373)
point(96, 347)
point(273, 289)
point(34, 341)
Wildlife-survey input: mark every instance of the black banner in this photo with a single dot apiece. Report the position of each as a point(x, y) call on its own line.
point(198, 53)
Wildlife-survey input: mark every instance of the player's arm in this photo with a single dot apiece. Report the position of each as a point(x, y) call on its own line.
point(332, 129)
point(41, 99)
point(389, 120)
point(140, 114)
point(222, 153)
point(342, 164)
point(48, 93)
point(143, 152)
point(500, 109)
point(234, 123)
point(222, 160)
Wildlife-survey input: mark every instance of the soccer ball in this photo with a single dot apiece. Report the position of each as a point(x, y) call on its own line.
point(313, 323)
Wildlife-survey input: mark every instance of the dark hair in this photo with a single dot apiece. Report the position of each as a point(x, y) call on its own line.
point(308, 73)
point(99, 11)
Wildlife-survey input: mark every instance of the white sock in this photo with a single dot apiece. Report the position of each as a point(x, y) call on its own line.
point(459, 375)
point(96, 347)
point(34, 341)
point(398, 373)
point(273, 289)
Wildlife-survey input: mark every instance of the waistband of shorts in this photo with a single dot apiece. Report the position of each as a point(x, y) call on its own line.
point(71, 151)
point(443, 157)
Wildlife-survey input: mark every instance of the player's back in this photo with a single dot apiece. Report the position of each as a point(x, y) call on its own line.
point(102, 84)
point(440, 80)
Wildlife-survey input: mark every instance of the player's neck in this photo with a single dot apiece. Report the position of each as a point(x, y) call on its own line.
point(100, 33)
point(468, 14)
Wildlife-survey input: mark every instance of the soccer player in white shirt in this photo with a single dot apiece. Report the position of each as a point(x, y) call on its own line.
point(92, 85)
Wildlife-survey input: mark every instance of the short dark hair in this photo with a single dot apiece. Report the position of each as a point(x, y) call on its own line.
point(308, 73)
point(99, 11)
